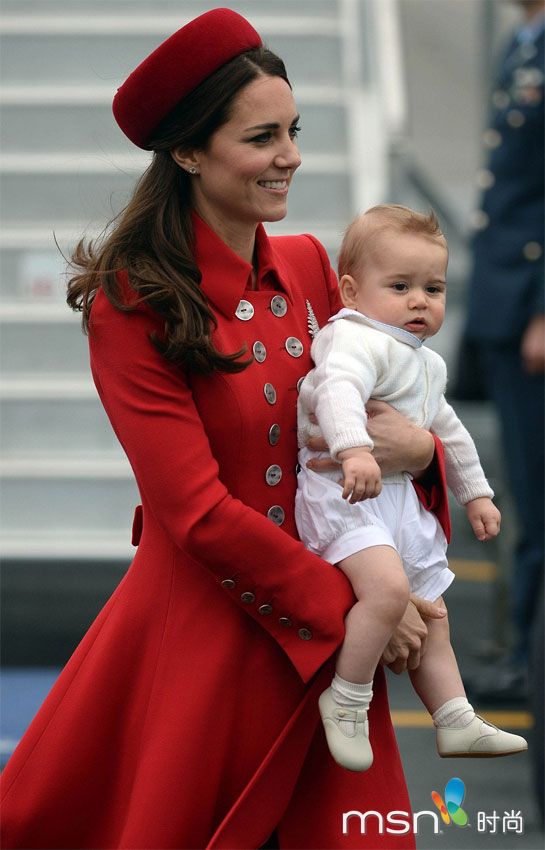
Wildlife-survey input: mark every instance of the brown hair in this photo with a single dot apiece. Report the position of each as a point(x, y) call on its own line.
point(358, 237)
point(152, 237)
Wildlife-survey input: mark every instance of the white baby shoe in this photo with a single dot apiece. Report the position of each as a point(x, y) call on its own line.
point(350, 749)
point(479, 739)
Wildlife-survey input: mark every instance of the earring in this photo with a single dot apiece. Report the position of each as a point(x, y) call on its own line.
point(193, 170)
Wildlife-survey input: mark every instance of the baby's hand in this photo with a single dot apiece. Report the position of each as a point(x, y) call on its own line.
point(361, 475)
point(484, 518)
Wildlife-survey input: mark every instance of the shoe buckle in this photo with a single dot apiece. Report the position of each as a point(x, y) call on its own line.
point(344, 714)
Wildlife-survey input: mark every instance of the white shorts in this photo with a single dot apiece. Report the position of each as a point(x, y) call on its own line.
point(334, 529)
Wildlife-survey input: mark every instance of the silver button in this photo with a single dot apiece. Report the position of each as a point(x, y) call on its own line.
point(294, 346)
point(228, 583)
point(279, 306)
point(260, 352)
point(265, 610)
point(244, 311)
point(515, 118)
point(480, 220)
point(274, 434)
point(270, 393)
point(285, 621)
point(276, 514)
point(300, 383)
point(248, 597)
point(501, 99)
point(273, 475)
point(305, 634)
point(485, 179)
point(492, 138)
point(532, 251)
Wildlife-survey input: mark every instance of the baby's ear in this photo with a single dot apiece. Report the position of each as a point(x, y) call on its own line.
point(349, 290)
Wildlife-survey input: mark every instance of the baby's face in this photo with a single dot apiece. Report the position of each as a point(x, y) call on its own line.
point(402, 283)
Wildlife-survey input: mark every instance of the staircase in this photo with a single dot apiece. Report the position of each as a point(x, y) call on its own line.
point(67, 490)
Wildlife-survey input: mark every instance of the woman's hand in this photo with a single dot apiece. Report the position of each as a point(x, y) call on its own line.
point(532, 347)
point(407, 644)
point(399, 445)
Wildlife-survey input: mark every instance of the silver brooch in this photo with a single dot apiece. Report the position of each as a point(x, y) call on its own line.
point(313, 326)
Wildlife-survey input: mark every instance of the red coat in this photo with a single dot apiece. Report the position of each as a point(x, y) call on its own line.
point(187, 717)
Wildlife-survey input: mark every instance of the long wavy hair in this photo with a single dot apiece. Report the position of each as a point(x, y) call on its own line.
point(152, 237)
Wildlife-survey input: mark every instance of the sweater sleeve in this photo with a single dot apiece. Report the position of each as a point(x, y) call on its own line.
point(465, 476)
point(152, 411)
point(343, 380)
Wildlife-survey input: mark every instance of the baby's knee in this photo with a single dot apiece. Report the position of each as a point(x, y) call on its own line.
point(396, 591)
point(441, 626)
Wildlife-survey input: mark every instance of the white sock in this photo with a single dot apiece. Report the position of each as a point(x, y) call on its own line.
point(351, 695)
point(456, 713)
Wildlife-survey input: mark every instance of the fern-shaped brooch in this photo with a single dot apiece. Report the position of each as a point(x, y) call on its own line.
point(313, 326)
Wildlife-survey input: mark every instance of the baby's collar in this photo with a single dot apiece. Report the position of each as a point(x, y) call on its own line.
point(397, 333)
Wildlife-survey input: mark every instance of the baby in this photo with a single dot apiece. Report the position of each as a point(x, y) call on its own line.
point(392, 271)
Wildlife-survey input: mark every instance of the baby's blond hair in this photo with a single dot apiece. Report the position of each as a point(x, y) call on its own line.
point(359, 235)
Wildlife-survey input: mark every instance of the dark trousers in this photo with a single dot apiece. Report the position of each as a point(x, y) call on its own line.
point(520, 403)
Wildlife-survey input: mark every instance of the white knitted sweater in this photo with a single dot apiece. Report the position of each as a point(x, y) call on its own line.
point(357, 359)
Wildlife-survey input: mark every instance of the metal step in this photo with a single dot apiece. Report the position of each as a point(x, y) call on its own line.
point(55, 426)
point(43, 348)
point(85, 125)
point(51, 198)
point(72, 504)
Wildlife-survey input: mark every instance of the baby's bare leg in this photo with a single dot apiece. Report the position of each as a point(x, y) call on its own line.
point(459, 731)
point(438, 679)
point(381, 587)
point(382, 590)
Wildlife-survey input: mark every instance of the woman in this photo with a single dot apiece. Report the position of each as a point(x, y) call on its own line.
point(187, 716)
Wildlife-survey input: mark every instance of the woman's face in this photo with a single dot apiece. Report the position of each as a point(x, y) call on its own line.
point(246, 169)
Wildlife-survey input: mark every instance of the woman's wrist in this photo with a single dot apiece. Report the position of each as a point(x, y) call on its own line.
point(424, 450)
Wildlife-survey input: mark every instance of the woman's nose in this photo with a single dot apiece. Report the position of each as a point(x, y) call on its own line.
point(288, 156)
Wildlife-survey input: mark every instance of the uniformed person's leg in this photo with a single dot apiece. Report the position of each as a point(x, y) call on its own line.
point(519, 399)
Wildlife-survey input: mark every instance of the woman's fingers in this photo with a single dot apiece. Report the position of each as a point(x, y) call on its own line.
point(317, 444)
point(323, 464)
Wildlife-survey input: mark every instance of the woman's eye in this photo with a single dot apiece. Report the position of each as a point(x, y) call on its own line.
point(263, 138)
point(294, 131)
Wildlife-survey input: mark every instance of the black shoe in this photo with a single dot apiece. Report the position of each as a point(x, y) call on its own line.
point(499, 684)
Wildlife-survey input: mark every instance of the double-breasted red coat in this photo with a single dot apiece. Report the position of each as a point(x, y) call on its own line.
point(187, 717)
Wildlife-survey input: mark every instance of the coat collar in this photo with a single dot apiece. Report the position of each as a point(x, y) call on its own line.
point(226, 276)
point(397, 333)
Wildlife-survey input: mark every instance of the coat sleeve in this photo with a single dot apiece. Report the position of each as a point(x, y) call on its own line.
point(152, 411)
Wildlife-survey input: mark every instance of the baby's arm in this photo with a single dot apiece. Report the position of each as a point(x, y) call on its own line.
point(361, 474)
point(484, 518)
point(465, 475)
point(339, 386)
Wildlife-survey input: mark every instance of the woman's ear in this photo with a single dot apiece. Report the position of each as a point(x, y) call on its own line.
point(349, 291)
point(188, 160)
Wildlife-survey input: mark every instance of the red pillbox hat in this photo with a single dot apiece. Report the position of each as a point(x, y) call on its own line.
point(177, 67)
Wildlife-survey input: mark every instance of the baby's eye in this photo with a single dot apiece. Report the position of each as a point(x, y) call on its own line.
point(433, 290)
point(399, 286)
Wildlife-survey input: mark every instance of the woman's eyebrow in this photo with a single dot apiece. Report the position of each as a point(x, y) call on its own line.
point(272, 125)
